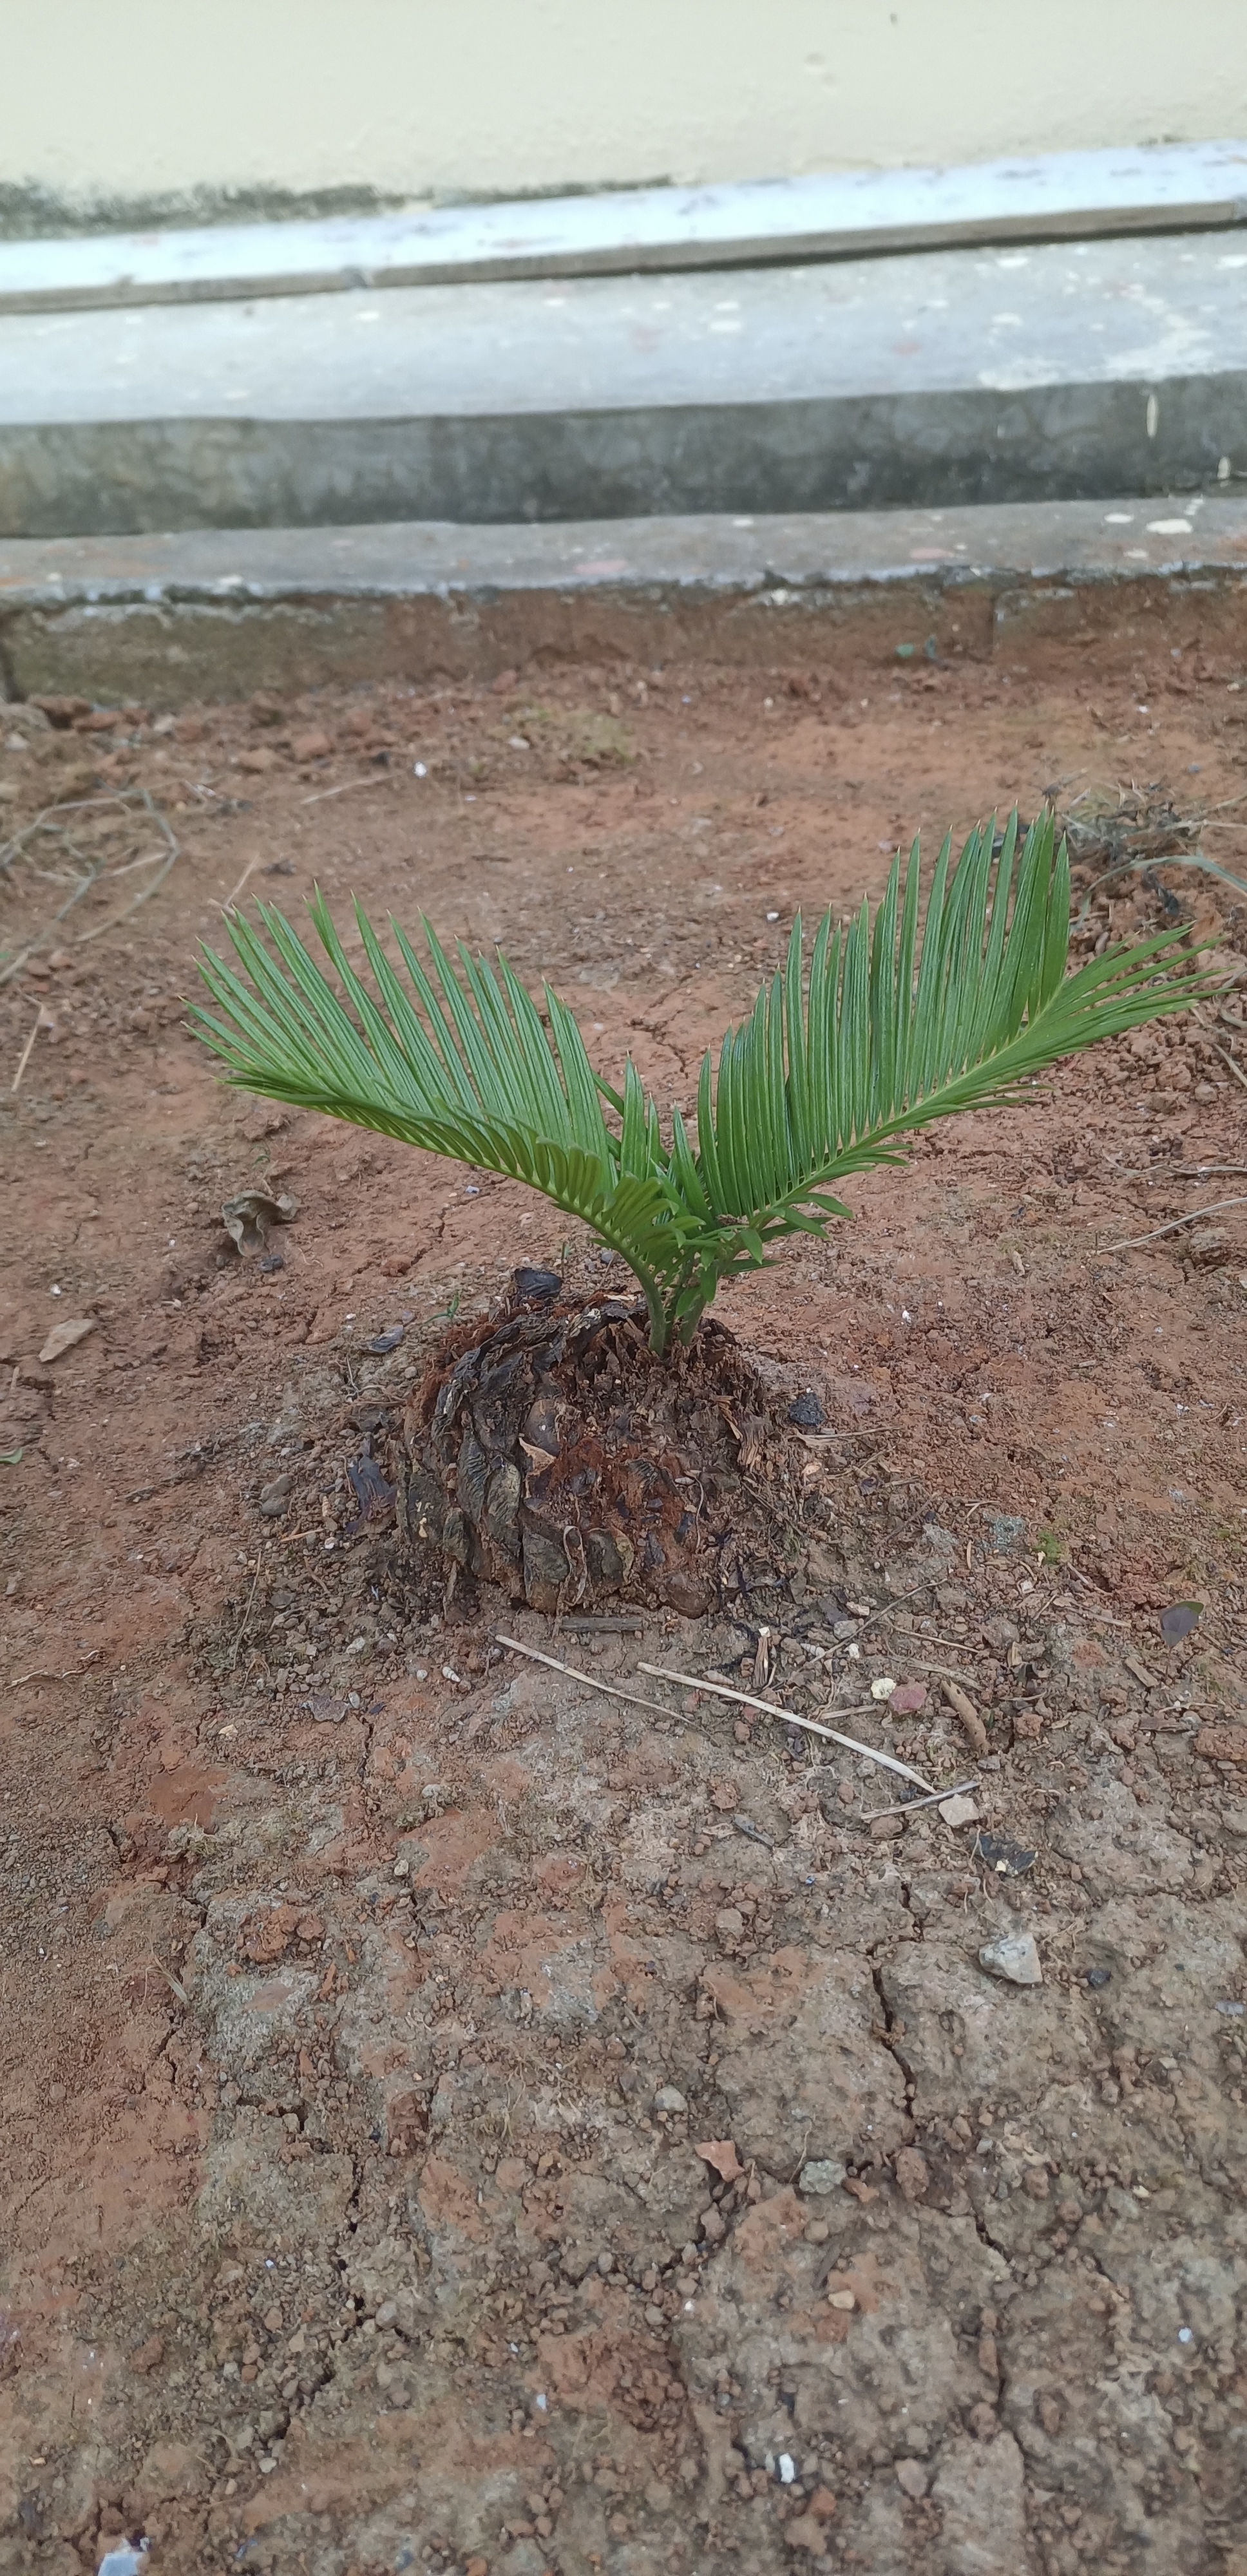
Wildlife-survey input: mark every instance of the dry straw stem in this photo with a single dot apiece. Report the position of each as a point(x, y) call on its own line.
point(49, 821)
point(556, 1665)
point(1175, 1224)
point(789, 1717)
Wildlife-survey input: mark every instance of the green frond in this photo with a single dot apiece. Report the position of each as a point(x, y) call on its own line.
point(884, 1041)
point(890, 1027)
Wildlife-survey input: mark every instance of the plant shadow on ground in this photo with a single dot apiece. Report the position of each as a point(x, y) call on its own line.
point(372, 1994)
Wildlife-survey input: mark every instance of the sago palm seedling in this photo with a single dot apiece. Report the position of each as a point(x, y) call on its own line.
point(889, 1026)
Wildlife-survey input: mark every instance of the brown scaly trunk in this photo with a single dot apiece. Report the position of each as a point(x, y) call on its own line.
point(550, 1453)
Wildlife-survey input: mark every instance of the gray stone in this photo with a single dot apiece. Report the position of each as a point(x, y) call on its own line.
point(912, 2479)
point(1007, 1533)
point(824, 2174)
point(669, 2098)
point(1014, 1956)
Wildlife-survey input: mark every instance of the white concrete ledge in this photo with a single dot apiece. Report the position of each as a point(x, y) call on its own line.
point(845, 215)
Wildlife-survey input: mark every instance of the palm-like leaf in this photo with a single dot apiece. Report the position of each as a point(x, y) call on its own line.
point(887, 1031)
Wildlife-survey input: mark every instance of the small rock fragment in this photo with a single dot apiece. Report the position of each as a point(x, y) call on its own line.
point(806, 1411)
point(668, 2098)
point(1012, 1955)
point(274, 1498)
point(729, 1924)
point(1222, 1743)
point(841, 2299)
point(908, 1698)
point(63, 1336)
point(958, 1811)
point(806, 2532)
point(823, 2174)
point(721, 2154)
point(713, 2225)
point(911, 2173)
point(911, 2478)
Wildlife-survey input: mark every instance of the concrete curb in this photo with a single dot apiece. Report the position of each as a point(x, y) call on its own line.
point(940, 380)
point(215, 613)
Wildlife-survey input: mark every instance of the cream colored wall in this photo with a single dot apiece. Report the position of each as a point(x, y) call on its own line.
point(140, 99)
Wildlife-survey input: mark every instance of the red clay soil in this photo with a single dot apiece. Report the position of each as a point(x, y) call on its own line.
point(455, 2119)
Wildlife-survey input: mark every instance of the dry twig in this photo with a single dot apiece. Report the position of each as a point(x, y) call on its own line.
point(24, 1058)
point(1232, 1061)
point(555, 1664)
point(809, 1725)
point(1218, 1208)
point(933, 1798)
point(322, 794)
point(231, 899)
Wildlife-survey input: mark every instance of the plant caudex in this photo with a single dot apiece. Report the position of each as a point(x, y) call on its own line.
point(891, 1026)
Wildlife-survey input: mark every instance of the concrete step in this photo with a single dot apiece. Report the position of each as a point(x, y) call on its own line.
point(830, 215)
point(218, 613)
point(921, 380)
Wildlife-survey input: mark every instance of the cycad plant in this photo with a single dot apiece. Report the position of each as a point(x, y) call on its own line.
point(890, 1026)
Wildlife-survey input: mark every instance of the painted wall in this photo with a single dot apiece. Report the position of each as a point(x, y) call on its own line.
point(152, 104)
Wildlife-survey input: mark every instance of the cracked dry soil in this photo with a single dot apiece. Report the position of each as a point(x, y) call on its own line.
point(370, 1996)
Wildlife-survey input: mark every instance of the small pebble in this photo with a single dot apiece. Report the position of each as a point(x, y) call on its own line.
point(1012, 1955)
point(824, 2174)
